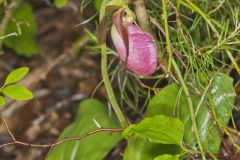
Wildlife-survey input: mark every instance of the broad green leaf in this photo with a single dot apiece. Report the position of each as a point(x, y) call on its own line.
point(175, 105)
point(94, 147)
point(159, 129)
point(164, 102)
point(2, 101)
point(222, 95)
point(166, 157)
point(172, 102)
point(16, 75)
point(144, 149)
point(1, 1)
point(17, 92)
point(24, 25)
point(60, 3)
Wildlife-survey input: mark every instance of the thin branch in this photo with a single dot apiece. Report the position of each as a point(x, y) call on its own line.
point(8, 130)
point(70, 139)
point(52, 145)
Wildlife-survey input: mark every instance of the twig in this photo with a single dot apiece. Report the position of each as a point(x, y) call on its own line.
point(66, 139)
point(14, 141)
point(8, 130)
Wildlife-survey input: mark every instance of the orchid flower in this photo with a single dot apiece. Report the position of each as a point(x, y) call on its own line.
point(135, 46)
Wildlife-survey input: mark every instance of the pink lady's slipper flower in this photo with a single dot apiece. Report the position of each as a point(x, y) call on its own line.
point(135, 47)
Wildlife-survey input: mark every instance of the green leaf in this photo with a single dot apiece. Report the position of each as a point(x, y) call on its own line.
point(60, 3)
point(166, 157)
point(16, 75)
point(24, 43)
point(175, 105)
point(143, 149)
point(222, 95)
point(17, 92)
point(2, 101)
point(172, 102)
point(159, 129)
point(94, 147)
point(164, 102)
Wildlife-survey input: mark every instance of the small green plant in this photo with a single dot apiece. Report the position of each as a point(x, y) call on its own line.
point(13, 90)
point(187, 117)
point(18, 32)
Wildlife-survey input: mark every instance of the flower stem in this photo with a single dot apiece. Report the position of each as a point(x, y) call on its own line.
point(142, 15)
point(171, 62)
point(167, 35)
point(190, 104)
point(109, 89)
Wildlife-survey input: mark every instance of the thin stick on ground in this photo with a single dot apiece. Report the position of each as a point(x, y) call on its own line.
point(52, 145)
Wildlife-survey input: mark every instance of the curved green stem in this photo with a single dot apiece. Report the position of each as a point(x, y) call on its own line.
point(108, 86)
point(190, 104)
point(167, 35)
point(171, 61)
